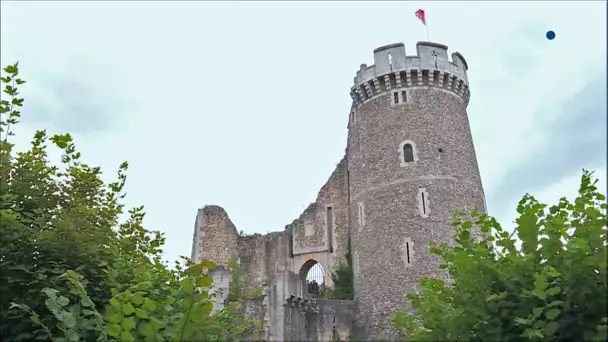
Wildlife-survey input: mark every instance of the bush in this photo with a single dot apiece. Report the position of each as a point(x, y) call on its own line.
point(552, 288)
point(70, 270)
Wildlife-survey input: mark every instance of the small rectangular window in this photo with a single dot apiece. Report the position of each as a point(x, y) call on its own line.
point(407, 252)
point(396, 97)
point(403, 96)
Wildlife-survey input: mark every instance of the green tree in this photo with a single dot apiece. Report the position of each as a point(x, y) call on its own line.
point(552, 288)
point(342, 278)
point(66, 260)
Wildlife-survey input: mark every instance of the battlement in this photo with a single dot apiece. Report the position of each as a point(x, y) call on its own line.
point(393, 69)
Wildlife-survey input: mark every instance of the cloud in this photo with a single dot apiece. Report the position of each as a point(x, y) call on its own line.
point(74, 102)
point(574, 139)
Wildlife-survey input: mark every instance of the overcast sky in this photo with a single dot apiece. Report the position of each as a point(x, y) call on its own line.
point(245, 105)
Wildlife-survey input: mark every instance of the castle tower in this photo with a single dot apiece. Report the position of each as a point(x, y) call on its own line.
point(411, 166)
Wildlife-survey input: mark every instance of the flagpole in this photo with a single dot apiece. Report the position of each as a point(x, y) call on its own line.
point(426, 24)
point(420, 15)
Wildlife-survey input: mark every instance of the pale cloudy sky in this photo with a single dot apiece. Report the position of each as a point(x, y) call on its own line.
point(245, 104)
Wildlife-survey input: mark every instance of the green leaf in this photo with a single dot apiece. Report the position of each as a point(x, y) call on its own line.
point(210, 265)
point(137, 299)
point(141, 313)
point(149, 305)
point(540, 282)
point(195, 270)
point(68, 319)
point(475, 212)
point(536, 312)
point(115, 318)
point(114, 302)
point(63, 301)
point(555, 303)
point(553, 313)
point(128, 324)
point(51, 293)
point(127, 309)
point(539, 293)
point(126, 336)
point(113, 330)
point(147, 330)
point(158, 324)
point(72, 335)
point(187, 285)
point(551, 328)
point(553, 291)
point(204, 281)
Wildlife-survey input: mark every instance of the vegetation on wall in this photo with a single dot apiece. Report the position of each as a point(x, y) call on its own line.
point(70, 271)
point(552, 288)
point(239, 289)
point(342, 278)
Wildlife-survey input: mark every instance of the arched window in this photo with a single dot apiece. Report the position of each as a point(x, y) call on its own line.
point(408, 153)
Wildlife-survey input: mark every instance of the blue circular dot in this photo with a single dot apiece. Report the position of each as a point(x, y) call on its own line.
point(550, 35)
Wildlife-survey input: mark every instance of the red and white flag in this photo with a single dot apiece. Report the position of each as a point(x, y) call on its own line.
point(420, 15)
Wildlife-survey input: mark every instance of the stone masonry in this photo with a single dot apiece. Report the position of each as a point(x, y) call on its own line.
point(409, 165)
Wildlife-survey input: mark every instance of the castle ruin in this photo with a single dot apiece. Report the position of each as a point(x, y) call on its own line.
point(409, 165)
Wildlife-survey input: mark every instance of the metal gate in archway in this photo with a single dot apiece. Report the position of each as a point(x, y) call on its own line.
point(314, 280)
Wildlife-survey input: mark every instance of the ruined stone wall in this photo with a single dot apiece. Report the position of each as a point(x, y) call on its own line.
point(255, 310)
point(252, 256)
point(316, 238)
point(318, 320)
point(275, 264)
point(217, 235)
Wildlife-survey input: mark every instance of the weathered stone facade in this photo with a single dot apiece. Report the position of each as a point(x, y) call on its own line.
point(409, 166)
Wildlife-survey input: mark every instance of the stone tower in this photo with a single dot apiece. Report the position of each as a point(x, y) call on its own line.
point(411, 166)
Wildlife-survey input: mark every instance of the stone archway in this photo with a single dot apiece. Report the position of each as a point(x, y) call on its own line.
point(312, 279)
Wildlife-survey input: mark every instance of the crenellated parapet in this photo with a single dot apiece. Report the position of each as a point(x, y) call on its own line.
point(393, 70)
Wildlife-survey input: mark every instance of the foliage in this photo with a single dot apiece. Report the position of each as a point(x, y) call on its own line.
point(184, 315)
point(343, 280)
point(67, 260)
point(552, 288)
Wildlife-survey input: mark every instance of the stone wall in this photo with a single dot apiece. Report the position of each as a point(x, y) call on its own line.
point(255, 310)
point(217, 235)
point(275, 264)
point(388, 207)
point(318, 320)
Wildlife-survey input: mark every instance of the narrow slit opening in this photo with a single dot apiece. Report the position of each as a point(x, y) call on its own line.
point(423, 204)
